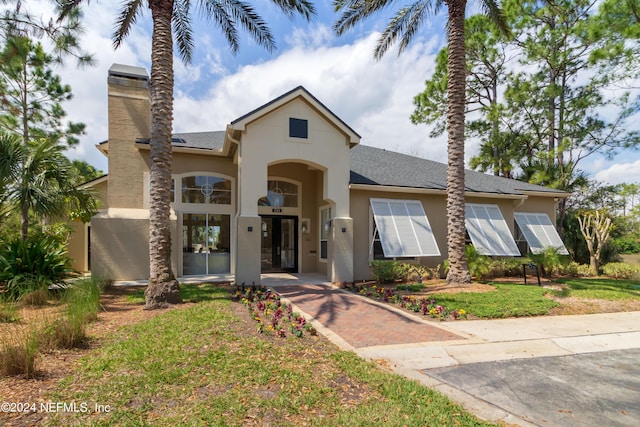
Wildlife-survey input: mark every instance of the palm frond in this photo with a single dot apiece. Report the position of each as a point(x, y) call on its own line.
point(129, 12)
point(228, 13)
point(355, 11)
point(215, 11)
point(404, 25)
point(494, 11)
point(291, 7)
point(11, 156)
point(182, 29)
point(253, 24)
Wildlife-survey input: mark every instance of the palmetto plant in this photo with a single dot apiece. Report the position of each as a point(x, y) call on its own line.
point(37, 178)
point(172, 18)
point(404, 26)
point(33, 264)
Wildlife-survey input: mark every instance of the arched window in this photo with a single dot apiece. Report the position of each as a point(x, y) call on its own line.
point(205, 189)
point(280, 194)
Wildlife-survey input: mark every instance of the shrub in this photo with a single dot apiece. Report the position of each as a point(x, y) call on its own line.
point(82, 299)
point(478, 264)
point(34, 264)
point(550, 261)
point(584, 270)
point(387, 271)
point(570, 269)
point(620, 270)
point(627, 244)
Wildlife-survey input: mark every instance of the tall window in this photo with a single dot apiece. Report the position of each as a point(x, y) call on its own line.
point(206, 189)
point(325, 228)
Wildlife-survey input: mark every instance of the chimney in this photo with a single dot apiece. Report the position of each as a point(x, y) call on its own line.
point(129, 120)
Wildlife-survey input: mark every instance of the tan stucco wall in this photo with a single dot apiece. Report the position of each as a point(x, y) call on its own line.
point(120, 244)
point(189, 163)
point(539, 204)
point(77, 246)
point(265, 143)
point(435, 208)
point(78, 239)
point(129, 119)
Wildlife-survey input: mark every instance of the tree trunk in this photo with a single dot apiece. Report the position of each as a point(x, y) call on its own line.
point(163, 289)
point(458, 270)
point(24, 221)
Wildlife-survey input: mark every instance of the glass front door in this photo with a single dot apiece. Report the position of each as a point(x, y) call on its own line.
point(206, 244)
point(279, 244)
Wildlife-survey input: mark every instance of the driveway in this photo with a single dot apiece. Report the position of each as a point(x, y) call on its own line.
point(543, 371)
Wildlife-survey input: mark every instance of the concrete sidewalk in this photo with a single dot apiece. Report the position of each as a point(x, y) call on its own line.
point(519, 338)
point(561, 370)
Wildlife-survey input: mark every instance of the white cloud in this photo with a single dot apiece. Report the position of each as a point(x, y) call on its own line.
point(620, 173)
point(374, 97)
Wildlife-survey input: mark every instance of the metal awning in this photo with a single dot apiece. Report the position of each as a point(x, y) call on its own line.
point(403, 228)
point(539, 232)
point(489, 231)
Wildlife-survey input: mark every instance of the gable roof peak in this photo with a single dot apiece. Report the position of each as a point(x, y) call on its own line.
point(296, 92)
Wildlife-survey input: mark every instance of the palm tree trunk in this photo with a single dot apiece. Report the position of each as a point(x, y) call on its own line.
point(458, 270)
point(163, 288)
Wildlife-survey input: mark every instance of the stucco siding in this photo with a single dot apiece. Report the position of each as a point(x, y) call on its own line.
point(434, 206)
point(120, 244)
point(77, 246)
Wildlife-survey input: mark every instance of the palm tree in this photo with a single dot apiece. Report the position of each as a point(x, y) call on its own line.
point(37, 178)
point(172, 17)
point(404, 25)
point(11, 157)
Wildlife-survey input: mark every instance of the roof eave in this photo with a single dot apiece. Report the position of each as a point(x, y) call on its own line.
point(187, 150)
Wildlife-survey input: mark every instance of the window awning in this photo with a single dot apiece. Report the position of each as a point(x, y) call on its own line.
point(403, 228)
point(489, 231)
point(539, 232)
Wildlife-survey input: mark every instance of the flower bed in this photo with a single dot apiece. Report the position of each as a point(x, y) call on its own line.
point(273, 316)
point(424, 305)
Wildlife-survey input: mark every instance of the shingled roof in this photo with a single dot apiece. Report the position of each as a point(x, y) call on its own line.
point(376, 166)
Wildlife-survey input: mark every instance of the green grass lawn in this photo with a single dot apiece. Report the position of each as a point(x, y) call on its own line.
point(199, 366)
point(515, 300)
point(609, 289)
point(508, 300)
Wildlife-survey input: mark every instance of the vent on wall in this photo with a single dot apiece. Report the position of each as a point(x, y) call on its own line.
point(298, 128)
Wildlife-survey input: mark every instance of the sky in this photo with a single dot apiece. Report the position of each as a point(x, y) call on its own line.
point(374, 97)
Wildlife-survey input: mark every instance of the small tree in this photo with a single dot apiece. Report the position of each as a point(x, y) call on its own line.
point(595, 228)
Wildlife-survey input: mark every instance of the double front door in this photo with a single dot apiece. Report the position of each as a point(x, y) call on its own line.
point(279, 249)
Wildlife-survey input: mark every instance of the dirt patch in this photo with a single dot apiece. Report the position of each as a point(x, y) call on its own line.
point(572, 305)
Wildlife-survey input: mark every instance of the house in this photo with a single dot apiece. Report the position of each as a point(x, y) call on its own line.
point(289, 187)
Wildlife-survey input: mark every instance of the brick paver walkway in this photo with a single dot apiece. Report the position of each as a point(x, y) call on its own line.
point(357, 320)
